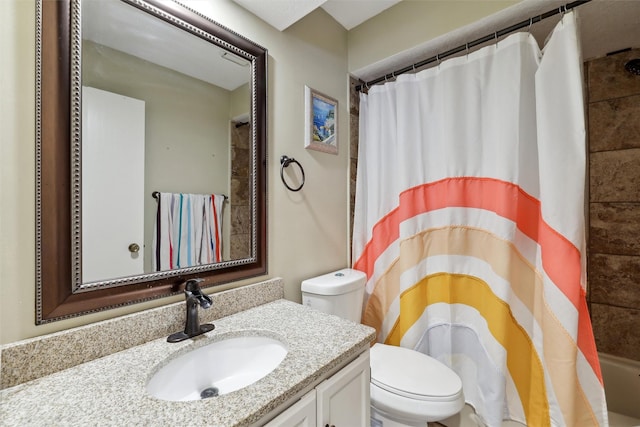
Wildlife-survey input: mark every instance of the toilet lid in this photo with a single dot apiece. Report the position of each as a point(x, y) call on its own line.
point(412, 374)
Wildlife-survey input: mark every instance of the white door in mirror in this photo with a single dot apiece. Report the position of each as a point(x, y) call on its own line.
point(113, 135)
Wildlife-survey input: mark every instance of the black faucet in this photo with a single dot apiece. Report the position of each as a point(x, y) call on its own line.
point(195, 298)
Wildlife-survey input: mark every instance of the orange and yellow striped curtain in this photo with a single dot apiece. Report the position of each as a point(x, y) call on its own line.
point(469, 224)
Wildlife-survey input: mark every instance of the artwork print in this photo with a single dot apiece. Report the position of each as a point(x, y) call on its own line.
point(321, 122)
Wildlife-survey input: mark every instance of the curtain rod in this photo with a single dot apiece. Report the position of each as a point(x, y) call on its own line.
point(466, 46)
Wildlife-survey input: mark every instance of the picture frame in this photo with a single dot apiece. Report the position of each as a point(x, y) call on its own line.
point(321, 122)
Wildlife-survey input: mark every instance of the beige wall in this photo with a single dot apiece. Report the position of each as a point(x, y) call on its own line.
point(17, 176)
point(412, 22)
point(307, 230)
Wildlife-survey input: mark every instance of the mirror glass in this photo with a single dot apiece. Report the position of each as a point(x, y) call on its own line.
point(159, 118)
point(150, 153)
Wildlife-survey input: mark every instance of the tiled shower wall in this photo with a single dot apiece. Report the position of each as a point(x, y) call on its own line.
point(240, 198)
point(614, 203)
point(614, 200)
point(354, 108)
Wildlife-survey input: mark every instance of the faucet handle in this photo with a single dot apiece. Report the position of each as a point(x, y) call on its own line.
point(192, 289)
point(192, 285)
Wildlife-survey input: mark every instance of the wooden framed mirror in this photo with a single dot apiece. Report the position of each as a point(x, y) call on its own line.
point(74, 53)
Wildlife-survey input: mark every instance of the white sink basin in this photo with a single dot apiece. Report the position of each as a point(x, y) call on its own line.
point(217, 368)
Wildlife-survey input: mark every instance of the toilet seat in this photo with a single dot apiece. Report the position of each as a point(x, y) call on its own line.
point(412, 374)
point(412, 385)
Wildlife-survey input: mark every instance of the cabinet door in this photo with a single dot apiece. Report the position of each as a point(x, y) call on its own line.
point(343, 399)
point(301, 414)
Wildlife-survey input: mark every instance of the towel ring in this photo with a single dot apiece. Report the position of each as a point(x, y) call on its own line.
point(285, 161)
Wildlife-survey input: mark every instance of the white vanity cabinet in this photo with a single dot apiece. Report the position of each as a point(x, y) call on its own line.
point(342, 400)
point(300, 414)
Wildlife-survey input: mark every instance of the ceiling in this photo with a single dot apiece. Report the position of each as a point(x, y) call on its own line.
point(119, 26)
point(283, 13)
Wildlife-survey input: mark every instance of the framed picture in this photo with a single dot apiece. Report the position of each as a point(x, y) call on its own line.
point(321, 120)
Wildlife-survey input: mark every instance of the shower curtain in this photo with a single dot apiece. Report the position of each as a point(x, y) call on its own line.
point(188, 230)
point(469, 223)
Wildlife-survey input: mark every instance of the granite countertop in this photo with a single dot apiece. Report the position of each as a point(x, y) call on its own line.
point(111, 390)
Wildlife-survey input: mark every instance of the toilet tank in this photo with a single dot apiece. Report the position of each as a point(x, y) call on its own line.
point(340, 292)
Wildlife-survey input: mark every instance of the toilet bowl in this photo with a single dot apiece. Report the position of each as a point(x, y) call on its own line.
point(408, 388)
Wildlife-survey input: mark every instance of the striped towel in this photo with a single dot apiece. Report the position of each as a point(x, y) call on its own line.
point(188, 230)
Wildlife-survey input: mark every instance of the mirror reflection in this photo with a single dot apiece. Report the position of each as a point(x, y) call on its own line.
point(135, 97)
point(165, 146)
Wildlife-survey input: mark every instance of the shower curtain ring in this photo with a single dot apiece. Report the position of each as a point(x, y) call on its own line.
point(530, 22)
point(466, 47)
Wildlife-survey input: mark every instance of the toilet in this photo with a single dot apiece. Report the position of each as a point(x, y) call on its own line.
point(408, 388)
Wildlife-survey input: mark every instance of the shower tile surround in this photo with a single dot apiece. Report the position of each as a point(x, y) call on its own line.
point(354, 135)
point(614, 204)
point(240, 200)
point(41, 356)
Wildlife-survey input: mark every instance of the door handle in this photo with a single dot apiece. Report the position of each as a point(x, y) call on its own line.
point(134, 248)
